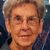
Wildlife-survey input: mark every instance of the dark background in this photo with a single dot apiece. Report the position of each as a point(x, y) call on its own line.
point(4, 34)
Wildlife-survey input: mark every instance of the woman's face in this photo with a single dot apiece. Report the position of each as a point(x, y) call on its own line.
point(24, 24)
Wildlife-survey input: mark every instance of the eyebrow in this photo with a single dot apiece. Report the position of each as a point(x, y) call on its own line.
point(17, 16)
point(34, 16)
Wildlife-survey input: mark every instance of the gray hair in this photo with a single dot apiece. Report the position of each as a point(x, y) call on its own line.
point(9, 4)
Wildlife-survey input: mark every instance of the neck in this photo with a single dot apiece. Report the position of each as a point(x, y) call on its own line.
point(13, 46)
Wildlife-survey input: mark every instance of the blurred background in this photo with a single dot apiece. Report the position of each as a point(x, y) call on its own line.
point(3, 31)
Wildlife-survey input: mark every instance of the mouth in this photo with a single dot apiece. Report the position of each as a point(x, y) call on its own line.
point(24, 36)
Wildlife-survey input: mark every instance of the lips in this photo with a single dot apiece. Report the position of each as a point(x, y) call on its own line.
point(24, 35)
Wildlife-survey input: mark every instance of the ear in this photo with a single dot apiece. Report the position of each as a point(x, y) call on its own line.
point(7, 24)
point(41, 26)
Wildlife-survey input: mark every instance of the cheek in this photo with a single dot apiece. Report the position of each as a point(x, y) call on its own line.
point(35, 30)
point(15, 29)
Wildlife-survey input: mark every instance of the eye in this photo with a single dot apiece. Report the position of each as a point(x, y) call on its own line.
point(30, 18)
point(18, 17)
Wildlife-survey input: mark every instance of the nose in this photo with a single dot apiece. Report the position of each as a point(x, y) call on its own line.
point(25, 26)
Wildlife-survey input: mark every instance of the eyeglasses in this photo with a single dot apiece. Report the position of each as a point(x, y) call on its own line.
point(31, 20)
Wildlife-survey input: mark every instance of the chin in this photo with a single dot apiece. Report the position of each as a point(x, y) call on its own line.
point(24, 44)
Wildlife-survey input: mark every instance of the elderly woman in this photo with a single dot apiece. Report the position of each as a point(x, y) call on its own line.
point(24, 21)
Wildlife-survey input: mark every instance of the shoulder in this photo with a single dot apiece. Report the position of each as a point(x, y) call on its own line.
point(5, 47)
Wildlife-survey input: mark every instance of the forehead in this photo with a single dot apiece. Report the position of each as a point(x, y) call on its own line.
point(25, 10)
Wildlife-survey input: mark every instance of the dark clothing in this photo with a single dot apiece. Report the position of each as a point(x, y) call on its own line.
point(5, 47)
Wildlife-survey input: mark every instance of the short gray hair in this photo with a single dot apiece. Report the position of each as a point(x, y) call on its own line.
point(9, 4)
